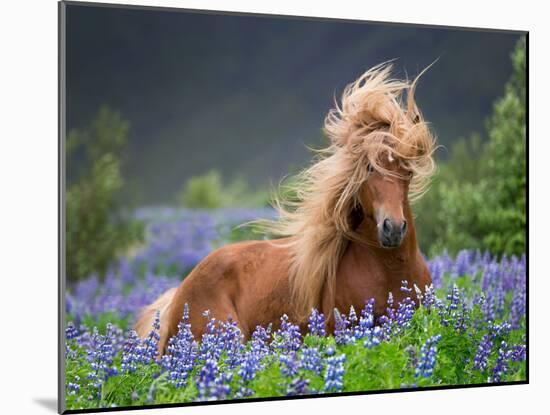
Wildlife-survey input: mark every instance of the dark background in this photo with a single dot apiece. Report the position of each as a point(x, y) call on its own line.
point(246, 94)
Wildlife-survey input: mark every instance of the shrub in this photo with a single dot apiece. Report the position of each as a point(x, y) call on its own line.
point(96, 229)
point(478, 198)
point(208, 191)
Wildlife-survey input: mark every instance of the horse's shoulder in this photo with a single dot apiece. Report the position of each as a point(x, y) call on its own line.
point(232, 257)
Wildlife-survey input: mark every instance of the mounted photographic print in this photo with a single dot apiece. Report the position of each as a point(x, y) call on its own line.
point(258, 207)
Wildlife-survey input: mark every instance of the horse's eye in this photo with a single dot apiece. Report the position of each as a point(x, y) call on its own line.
point(370, 169)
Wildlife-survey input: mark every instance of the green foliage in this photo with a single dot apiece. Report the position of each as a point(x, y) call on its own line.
point(208, 191)
point(478, 198)
point(96, 230)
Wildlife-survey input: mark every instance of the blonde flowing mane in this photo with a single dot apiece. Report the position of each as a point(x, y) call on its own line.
point(377, 115)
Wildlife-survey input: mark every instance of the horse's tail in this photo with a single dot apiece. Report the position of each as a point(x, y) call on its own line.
point(144, 325)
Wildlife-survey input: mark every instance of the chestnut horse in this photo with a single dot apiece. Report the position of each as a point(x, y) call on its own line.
point(348, 236)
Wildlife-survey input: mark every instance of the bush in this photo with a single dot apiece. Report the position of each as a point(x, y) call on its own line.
point(96, 229)
point(209, 192)
point(478, 197)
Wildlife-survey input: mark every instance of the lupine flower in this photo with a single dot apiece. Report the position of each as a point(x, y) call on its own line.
point(372, 337)
point(299, 386)
point(182, 353)
point(426, 361)
point(209, 347)
point(211, 384)
point(334, 373)
point(289, 364)
point(151, 342)
point(316, 324)
point(310, 359)
point(230, 342)
point(404, 314)
point(390, 311)
point(501, 366)
point(73, 388)
point(366, 321)
point(342, 332)
point(429, 297)
point(462, 264)
point(131, 353)
point(352, 317)
point(483, 352)
point(260, 340)
point(71, 332)
point(101, 356)
point(250, 365)
point(288, 338)
point(405, 287)
point(518, 353)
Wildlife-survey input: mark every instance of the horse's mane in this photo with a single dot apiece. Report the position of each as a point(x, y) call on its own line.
point(373, 119)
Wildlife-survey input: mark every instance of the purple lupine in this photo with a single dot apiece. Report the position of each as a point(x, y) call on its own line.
point(100, 356)
point(316, 323)
point(151, 342)
point(372, 337)
point(462, 263)
point(342, 332)
point(451, 311)
point(298, 386)
point(231, 342)
point(435, 267)
point(250, 365)
point(483, 352)
point(310, 359)
point(404, 314)
point(518, 353)
point(288, 338)
point(251, 362)
point(182, 353)
point(429, 299)
point(211, 384)
point(500, 330)
point(352, 318)
point(71, 332)
point(73, 388)
point(366, 321)
point(209, 347)
point(501, 366)
point(260, 340)
point(517, 307)
point(289, 364)
point(427, 358)
point(405, 287)
point(390, 310)
point(131, 353)
point(334, 373)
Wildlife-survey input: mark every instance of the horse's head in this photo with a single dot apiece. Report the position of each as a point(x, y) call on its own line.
point(384, 200)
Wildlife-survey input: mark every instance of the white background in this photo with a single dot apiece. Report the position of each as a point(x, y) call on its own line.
point(28, 203)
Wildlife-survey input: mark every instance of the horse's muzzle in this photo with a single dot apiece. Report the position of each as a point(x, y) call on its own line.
point(391, 233)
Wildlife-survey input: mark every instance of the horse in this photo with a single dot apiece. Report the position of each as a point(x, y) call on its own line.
point(346, 236)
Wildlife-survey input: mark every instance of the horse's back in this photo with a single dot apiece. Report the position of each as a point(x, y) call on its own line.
point(245, 281)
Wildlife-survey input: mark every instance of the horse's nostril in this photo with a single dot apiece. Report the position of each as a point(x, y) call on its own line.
point(386, 225)
point(404, 227)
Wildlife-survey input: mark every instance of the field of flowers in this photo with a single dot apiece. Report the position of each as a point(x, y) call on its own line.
point(469, 329)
